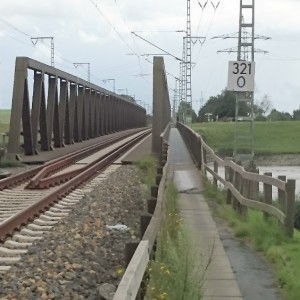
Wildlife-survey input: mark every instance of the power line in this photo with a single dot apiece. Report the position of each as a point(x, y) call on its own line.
point(112, 26)
point(166, 52)
point(41, 38)
point(117, 32)
point(14, 27)
point(215, 6)
point(76, 65)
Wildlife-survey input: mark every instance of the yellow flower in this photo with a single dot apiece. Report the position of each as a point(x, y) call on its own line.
point(120, 270)
point(163, 296)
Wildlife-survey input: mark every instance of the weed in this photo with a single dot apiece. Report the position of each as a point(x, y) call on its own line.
point(4, 163)
point(148, 166)
point(267, 236)
point(173, 275)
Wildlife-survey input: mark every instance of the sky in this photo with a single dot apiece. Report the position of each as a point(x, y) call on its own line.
point(99, 32)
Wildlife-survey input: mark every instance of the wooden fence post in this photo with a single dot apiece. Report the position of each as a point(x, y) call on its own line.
point(228, 177)
point(235, 184)
point(282, 196)
point(216, 171)
point(204, 160)
point(129, 250)
point(144, 220)
point(267, 194)
point(151, 204)
point(245, 193)
point(290, 207)
point(199, 153)
point(254, 187)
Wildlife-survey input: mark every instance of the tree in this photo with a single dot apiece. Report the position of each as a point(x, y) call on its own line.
point(262, 108)
point(183, 108)
point(276, 115)
point(223, 106)
point(265, 104)
point(296, 114)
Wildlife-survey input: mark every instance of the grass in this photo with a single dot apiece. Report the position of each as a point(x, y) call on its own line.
point(148, 166)
point(268, 137)
point(172, 273)
point(267, 237)
point(4, 122)
point(4, 163)
point(4, 119)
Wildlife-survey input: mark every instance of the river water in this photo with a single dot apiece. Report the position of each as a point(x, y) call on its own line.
point(289, 171)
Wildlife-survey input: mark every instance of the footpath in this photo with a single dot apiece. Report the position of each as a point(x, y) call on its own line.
point(220, 280)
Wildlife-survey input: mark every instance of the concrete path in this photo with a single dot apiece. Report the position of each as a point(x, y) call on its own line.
point(210, 257)
point(217, 254)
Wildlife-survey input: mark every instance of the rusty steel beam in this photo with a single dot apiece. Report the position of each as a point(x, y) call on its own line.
point(74, 110)
point(63, 107)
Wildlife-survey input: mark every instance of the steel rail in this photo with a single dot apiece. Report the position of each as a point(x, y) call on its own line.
point(72, 157)
point(15, 222)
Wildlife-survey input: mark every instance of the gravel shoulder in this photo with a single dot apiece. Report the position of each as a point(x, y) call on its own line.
point(80, 252)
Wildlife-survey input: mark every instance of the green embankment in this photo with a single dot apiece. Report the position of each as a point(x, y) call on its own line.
point(4, 120)
point(268, 137)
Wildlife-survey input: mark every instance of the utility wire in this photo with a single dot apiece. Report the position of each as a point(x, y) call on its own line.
point(38, 49)
point(177, 58)
point(117, 32)
point(129, 30)
point(112, 26)
point(14, 27)
point(208, 29)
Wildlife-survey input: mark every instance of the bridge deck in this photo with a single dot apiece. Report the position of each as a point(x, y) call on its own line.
point(45, 156)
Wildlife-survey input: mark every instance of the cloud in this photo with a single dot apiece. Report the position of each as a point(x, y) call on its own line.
point(50, 9)
point(89, 38)
point(101, 35)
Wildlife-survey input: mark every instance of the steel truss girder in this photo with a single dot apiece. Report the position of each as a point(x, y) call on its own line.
point(74, 110)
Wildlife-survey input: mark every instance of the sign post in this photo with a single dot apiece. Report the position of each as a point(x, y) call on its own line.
point(241, 81)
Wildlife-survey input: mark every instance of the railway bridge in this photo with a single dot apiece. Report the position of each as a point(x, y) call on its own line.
point(53, 109)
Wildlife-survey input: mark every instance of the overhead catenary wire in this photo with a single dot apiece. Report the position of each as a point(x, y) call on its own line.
point(215, 7)
point(31, 45)
point(166, 52)
point(112, 26)
point(14, 27)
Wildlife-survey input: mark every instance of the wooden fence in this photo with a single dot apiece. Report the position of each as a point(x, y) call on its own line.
point(138, 253)
point(243, 186)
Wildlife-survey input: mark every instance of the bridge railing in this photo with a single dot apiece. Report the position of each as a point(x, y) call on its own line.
point(243, 186)
point(52, 108)
point(130, 285)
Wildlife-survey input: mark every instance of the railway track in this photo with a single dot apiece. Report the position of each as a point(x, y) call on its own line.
point(33, 202)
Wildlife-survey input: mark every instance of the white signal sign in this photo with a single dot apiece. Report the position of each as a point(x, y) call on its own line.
point(241, 76)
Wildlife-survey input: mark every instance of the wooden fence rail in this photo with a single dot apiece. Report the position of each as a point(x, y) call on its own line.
point(131, 281)
point(243, 186)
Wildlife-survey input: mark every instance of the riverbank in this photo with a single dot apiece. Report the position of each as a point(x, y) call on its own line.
point(278, 160)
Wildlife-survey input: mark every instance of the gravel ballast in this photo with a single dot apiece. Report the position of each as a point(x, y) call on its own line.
point(80, 253)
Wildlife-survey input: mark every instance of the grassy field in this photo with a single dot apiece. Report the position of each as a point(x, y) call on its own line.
point(4, 120)
point(268, 137)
